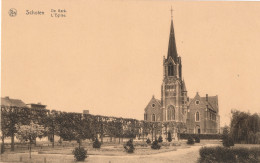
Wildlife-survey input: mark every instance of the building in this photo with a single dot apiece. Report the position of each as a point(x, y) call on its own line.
point(200, 114)
point(8, 102)
point(85, 111)
point(36, 106)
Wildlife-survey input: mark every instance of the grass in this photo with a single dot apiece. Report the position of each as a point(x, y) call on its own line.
point(64, 154)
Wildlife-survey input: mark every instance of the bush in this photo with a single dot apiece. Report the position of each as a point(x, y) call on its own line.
point(129, 147)
point(222, 154)
point(80, 154)
point(96, 143)
point(197, 139)
point(227, 141)
point(160, 139)
point(148, 141)
point(155, 145)
point(190, 140)
point(169, 138)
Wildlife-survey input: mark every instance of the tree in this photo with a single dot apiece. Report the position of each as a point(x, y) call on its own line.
point(156, 127)
point(244, 127)
point(146, 128)
point(10, 117)
point(119, 128)
point(130, 128)
point(169, 138)
point(74, 127)
point(29, 133)
point(227, 140)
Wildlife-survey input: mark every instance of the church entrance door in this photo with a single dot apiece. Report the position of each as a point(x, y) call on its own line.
point(197, 130)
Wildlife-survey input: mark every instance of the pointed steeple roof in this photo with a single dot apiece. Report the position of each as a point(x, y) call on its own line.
point(172, 50)
point(184, 86)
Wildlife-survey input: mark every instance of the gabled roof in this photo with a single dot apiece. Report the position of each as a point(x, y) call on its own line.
point(190, 100)
point(154, 99)
point(6, 101)
point(159, 101)
point(212, 101)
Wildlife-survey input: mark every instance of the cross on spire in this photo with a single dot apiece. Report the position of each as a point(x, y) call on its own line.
point(172, 50)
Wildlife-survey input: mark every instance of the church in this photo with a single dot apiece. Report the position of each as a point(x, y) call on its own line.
point(200, 115)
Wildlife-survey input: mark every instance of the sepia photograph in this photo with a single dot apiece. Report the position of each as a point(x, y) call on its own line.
point(130, 81)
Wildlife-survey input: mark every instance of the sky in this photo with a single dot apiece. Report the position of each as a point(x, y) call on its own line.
point(107, 56)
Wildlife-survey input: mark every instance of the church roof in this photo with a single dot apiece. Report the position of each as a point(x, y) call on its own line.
point(172, 50)
point(159, 101)
point(154, 100)
point(212, 101)
point(6, 101)
point(184, 86)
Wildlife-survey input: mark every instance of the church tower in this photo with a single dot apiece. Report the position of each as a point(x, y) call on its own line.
point(173, 89)
point(198, 115)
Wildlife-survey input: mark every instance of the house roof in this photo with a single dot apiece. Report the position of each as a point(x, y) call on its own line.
point(212, 101)
point(32, 104)
point(6, 101)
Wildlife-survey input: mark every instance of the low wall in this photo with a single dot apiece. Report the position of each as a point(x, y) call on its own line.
point(201, 136)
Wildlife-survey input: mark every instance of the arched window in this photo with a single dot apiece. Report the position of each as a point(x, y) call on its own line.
point(169, 114)
point(197, 116)
point(145, 117)
point(153, 117)
point(170, 70)
point(173, 114)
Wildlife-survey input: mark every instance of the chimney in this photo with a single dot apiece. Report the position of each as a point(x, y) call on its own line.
point(207, 97)
point(85, 111)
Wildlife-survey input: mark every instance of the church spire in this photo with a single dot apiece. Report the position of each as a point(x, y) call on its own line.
point(172, 50)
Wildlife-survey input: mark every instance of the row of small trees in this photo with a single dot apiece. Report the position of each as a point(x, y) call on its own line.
point(76, 126)
point(69, 126)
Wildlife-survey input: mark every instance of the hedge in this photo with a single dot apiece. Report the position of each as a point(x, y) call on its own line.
point(201, 136)
point(229, 155)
